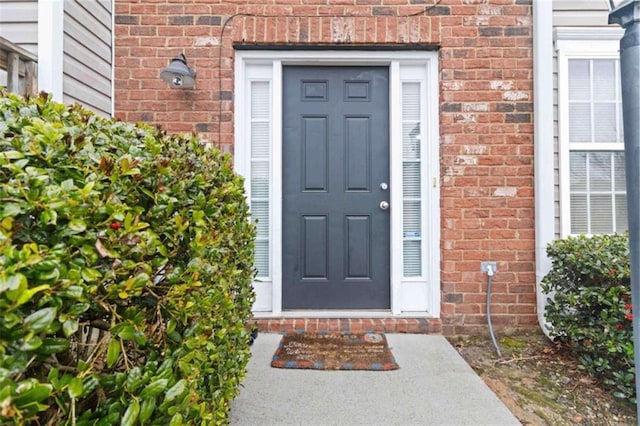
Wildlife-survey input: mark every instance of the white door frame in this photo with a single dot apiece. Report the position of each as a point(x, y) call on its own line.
point(418, 296)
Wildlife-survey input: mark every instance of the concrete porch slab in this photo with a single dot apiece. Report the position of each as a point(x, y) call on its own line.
point(434, 386)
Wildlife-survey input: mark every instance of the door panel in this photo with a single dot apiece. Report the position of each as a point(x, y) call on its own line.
point(335, 155)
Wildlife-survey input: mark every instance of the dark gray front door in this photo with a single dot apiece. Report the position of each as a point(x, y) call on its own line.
point(335, 166)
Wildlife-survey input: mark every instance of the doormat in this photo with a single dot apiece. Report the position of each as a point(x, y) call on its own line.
point(363, 351)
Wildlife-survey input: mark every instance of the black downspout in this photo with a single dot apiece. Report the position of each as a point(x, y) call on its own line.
point(628, 16)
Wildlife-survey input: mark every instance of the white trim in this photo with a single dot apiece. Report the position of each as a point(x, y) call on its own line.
point(276, 195)
point(395, 175)
point(432, 183)
point(587, 33)
point(605, 47)
point(113, 58)
point(50, 47)
point(426, 289)
point(331, 313)
point(543, 146)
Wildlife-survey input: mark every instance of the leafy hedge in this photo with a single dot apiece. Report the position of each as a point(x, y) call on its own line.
point(125, 271)
point(591, 309)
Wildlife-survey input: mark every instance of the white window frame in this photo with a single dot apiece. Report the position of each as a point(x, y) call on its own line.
point(578, 43)
point(409, 296)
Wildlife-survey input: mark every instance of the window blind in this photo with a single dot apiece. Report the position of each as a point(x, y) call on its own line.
point(411, 180)
point(260, 113)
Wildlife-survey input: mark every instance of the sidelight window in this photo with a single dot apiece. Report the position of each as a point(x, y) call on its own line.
point(411, 180)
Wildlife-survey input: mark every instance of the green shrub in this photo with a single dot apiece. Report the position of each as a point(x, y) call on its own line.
point(590, 310)
point(125, 271)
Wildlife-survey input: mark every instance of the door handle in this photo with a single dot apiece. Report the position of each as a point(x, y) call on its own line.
point(384, 205)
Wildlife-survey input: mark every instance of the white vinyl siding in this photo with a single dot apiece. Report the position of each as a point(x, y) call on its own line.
point(260, 142)
point(580, 13)
point(19, 25)
point(87, 67)
point(591, 140)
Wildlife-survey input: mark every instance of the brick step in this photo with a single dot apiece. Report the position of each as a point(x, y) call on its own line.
point(352, 325)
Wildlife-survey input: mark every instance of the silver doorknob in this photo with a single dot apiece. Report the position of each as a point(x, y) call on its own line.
point(384, 205)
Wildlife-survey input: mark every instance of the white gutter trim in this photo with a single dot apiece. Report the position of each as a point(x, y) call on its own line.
point(543, 145)
point(50, 47)
point(113, 58)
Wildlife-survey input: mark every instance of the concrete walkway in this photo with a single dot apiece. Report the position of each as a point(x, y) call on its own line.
point(434, 386)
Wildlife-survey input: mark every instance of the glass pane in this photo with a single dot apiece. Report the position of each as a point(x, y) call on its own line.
point(411, 180)
point(601, 214)
point(579, 122)
point(261, 259)
point(260, 107)
point(260, 215)
point(411, 141)
point(620, 124)
point(621, 213)
point(578, 171)
point(604, 79)
point(411, 101)
point(411, 219)
point(579, 219)
point(579, 84)
point(260, 179)
point(412, 254)
point(604, 115)
point(619, 172)
point(260, 140)
point(600, 178)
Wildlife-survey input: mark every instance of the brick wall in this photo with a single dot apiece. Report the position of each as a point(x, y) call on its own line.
point(486, 142)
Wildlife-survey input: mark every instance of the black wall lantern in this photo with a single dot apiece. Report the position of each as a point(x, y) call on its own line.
point(178, 74)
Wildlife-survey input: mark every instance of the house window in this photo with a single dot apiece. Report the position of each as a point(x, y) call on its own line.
point(411, 180)
point(591, 141)
point(596, 158)
point(260, 136)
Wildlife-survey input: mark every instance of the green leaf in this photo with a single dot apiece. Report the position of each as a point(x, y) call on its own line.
point(11, 155)
point(175, 391)
point(74, 292)
point(78, 308)
point(51, 275)
point(90, 274)
point(75, 387)
point(76, 226)
point(146, 410)
point(69, 327)
point(27, 295)
point(37, 393)
point(53, 345)
point(49, 217)
point(131, 415)
point(12, 282)
point(31, 344)
point(139, 337)
point(134, 379)
point(127, 332)
point(176, 420)
point(11, 209)
point(53, 377)
point(40, 320)
point(113, 352)
point(154, 388)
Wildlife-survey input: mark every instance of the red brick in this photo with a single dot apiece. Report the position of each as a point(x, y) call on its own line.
point(468, 64)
